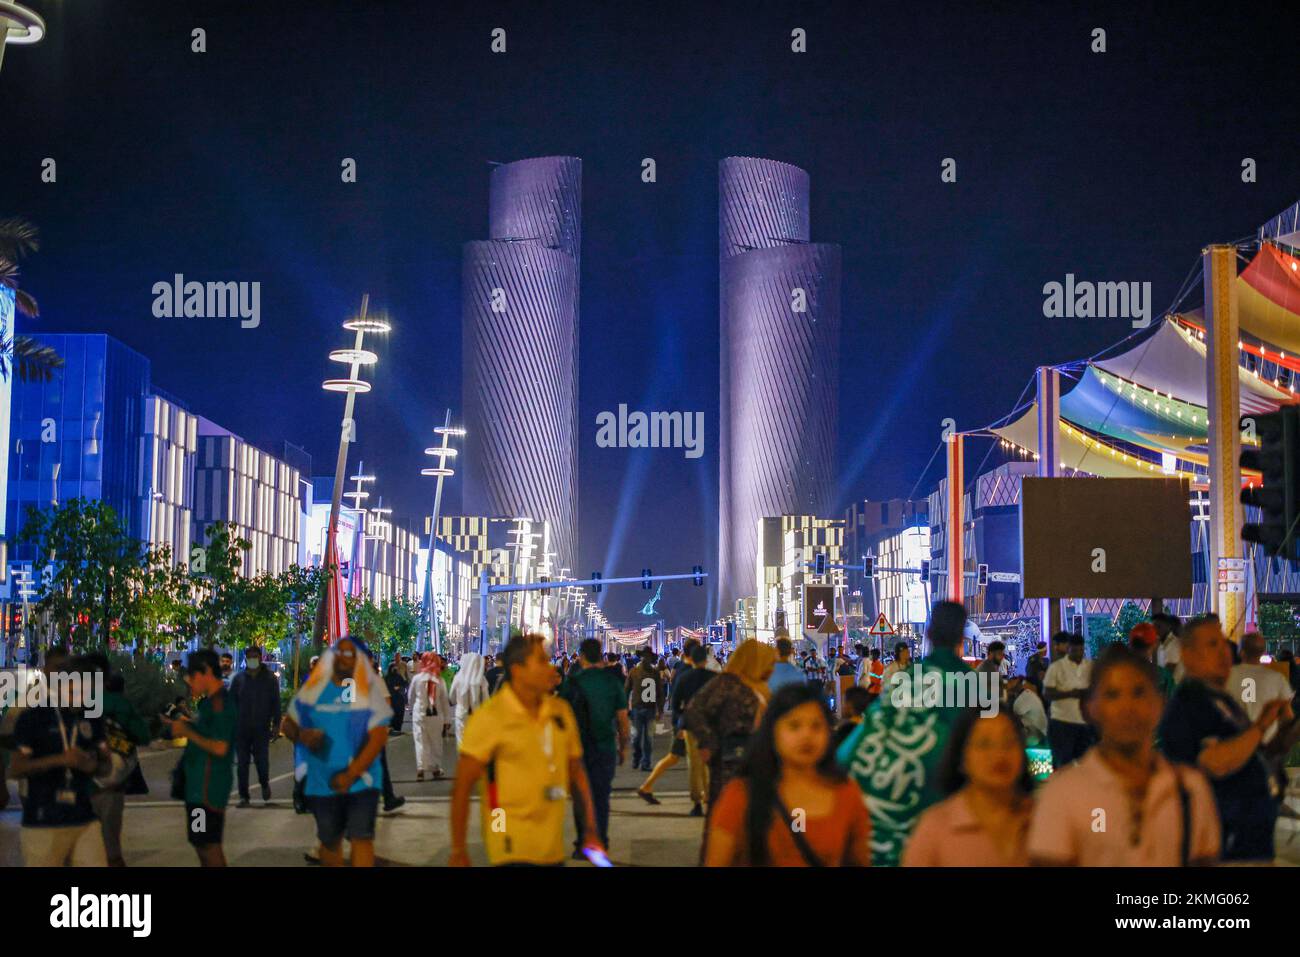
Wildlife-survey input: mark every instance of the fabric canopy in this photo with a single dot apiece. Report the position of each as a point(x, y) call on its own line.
point(1172, 362)
point(1079, 451)
point(1268, 299)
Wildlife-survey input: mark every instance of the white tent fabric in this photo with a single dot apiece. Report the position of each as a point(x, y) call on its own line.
point(1173, 362)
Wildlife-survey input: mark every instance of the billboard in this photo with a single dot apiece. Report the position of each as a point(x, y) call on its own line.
point(818, 602)
point(1105, 538)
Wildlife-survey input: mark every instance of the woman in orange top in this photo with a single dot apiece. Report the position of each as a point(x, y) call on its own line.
point(790, 805)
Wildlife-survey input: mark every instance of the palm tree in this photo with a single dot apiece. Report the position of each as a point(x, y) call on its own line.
point(31, 360)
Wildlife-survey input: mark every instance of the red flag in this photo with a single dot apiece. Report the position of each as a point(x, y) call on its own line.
point(336, 608)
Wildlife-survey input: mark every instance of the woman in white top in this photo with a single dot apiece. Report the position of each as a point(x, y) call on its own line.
point(1123, 804)
point(468, 690)
point(430, 715)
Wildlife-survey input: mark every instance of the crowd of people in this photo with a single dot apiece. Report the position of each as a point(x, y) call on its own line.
point(1166, 749)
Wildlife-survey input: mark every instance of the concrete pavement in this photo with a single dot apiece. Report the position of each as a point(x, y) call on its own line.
point(416, 835)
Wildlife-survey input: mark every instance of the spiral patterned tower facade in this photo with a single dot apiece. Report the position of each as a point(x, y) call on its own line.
point(519, 308)
point(779, 373)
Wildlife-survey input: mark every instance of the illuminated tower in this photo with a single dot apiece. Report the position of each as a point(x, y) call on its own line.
point(519, 306)
point(779, 373)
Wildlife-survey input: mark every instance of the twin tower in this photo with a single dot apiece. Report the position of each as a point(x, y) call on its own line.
point(778, 374)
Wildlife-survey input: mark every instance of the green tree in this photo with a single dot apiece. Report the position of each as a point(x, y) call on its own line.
point(303, 591)
point(91, 568)
point(217, 568)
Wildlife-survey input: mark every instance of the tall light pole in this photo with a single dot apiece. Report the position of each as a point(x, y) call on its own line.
point(441, 471)
point(359, 539)
point(352, 386)
point(376, 535)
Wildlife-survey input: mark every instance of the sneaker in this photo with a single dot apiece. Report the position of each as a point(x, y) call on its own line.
point(244, 802)
point(394, 804)
point(266, 795)
point(697, 810)
point(647, 797)
point(578, 855)
point(419, 775)
point(437, 773)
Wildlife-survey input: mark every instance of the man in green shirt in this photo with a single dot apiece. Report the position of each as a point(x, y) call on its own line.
point(600, 707)
point(208, 761)
point(895, 753)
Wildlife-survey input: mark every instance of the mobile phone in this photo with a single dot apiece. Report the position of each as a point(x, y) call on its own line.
point(597, 857)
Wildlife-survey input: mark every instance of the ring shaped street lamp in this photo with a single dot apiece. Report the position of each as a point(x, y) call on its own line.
point(440, 472)
point(353, 386)
point(367, 324)
point(18, 25)
point(362, 357)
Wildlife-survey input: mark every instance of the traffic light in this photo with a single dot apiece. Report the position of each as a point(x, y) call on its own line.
point(1277, 458)
point(596, 577)
point(645, 578)
point(869, 566)
point(698, 572)
point(925, 569)
point(819, 565)
point(982, 574)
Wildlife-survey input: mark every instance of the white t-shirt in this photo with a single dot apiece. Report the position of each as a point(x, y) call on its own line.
point(1169, 653)
point(1254, 686)
point(1029, 709)
point(1082, 817)
point(1065, 675)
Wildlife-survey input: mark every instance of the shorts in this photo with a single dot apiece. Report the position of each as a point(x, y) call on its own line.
point(679, 747)
point(204, 826)
point(350, 815)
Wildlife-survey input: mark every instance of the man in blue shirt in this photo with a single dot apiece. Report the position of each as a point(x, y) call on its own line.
point(784, 672)
point(339, 725)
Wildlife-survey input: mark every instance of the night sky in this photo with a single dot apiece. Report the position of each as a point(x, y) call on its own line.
point(225, 166)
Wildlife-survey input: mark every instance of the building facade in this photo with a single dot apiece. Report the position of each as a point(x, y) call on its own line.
point(252, 490)
point(779, 351)
point(519, 303)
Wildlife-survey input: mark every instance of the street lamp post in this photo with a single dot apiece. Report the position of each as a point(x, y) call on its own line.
point(441, 471)
point(355, 358)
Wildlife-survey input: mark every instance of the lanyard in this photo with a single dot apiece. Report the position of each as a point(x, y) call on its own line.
point(67, 745)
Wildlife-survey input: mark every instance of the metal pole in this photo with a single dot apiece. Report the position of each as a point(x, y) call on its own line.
point(1219, 266)
point(431, 621)
point(482, 610)
point(1049, 463)
point(340, 469)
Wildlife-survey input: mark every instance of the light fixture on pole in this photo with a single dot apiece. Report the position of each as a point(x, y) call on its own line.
point(439, 471)
point(333, 621)
point(19, 25)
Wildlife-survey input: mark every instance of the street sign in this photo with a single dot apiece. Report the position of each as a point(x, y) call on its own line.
point(1004, 576)
point(1232, 575)
point(882, 628)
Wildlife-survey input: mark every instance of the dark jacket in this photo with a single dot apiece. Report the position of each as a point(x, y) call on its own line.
point(256, 697)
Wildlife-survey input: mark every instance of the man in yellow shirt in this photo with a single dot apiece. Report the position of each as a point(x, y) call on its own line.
point(523, 745)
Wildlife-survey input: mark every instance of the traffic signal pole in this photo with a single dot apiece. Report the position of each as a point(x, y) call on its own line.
point(486, 591)
point(1219, 271)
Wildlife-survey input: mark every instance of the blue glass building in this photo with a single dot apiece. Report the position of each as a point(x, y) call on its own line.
point(79, 435)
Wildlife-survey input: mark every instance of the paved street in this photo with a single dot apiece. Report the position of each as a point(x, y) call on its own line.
point(417, 835)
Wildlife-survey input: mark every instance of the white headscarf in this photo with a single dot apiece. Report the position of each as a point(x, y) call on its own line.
point(469, 688)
